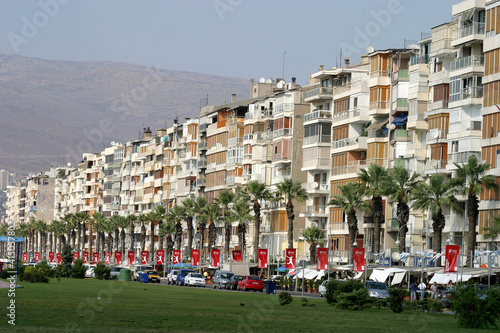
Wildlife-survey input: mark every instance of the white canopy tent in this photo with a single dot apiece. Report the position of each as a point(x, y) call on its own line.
point(444, 278)
point(381, 274)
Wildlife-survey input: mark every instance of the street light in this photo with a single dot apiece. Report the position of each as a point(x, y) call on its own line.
point(397, 237)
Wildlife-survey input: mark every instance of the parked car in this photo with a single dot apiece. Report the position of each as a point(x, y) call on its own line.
point(377, 289)
point(194, 279)
point(274, 277)
point(172, 276)
point(153, 276)
point(115, 271)
point(251, 282)
point(322, 288)
point(182, 275)
point(140, 269)
point(221, 278)
point(232, 284)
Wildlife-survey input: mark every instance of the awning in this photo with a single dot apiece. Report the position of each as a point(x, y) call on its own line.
point(445, 278)
point(308, 274)
point(398, 278)
point(381, 275)
point(377, 124)
point(400, 120)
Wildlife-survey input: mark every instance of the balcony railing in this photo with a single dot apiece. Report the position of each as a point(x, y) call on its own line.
point(316, 162)
point(435, 134)
point(401, 75)
point(379, 105)
point(419, 59)
point(463, 157)
point(202, 145)
point(467, 62)
point(283, 107)
point(314, 210)
point(345, 142)
point(281, 132)
point(318, 114)
point(258, 136)
point(437, 105)
point(436, 164)
point(474, 28)
point(346, 114)
point(318, 92)
point(316, 139)
point(234, 141)
point(441, 44)
point(314, 186)
point(470, 92)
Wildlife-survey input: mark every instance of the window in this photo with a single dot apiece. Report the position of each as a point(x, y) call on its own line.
point(325, 83)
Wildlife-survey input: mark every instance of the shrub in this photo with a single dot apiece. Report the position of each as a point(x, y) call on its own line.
point(102, 271)
point(332, 291)
point(305, 302)
point(356, 300)
point(45, 269)
point(351, 285)
point(396, 299)
point(31, 274)
point(474, 310)
point(78, 270)
point(285, 298)
point(380, 303)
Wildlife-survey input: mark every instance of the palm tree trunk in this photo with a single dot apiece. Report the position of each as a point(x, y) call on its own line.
point(170, 247)
point(80, 239)
point(132, 235)
point(189, 222)
point(91, 236)
point(152, 246)
point(98, 244)
point(403, 214)
point(291, 217)
point(122, 233)
point(378, 219)
point(227, 237)
point(312, 253)
point(472, 215)
point(178, 235)
point(438, 223)
point(352, 224)
point(202, 239)
point(143, 237)
point(211, 236)
point(256, 210)
point(116, 239)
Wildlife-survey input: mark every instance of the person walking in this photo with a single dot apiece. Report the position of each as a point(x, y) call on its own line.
point(413, 290)
point(422, 286)
point(434, 290)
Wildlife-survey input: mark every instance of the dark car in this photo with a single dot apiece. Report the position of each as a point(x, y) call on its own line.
point(445, 295)
point(251, 282)
point(232, 284)
point(182, 275)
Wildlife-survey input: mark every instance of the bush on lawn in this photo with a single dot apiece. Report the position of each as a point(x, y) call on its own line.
point(475, 310)
point(45, 269)
point(102, 271)
point(66, 260)
point(305, 302)
point(332, 291)
point(356, 300)
point(396, 299)
point(285, 298)
point(31, 274)
point(78, 270)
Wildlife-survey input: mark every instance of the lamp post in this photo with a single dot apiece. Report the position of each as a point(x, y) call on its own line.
point(398, 242)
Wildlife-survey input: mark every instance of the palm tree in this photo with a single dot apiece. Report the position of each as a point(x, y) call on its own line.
point(98, 221)
point(289, 190)
point(32, 232)
point(241, 214)
point(314, 236)
point(167, 229)
point(400, 187)
point(436, 196)
point(58, 228)
point(160, 212)
point(225, 198)
point(23, 231)
point(80, 219)
point(69, 226)
point(175, 215)
point(474, 182)
point(212, 213)
point(142, 218)
point(107, 226)
point(122, 223)
point(3, 245)
point(494, 231)
point(350, 199)
point(201, 220)
point(257, 192)
point(374, 178)
point(190, 212)
point(151, 218)
point(41, 228)
point(132, 218)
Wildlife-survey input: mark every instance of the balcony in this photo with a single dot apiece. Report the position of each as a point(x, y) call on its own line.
point(254, 177)
point(356, 166)
point(437, 134)
point(419, 59)
point(281, 156)
point(234, 180)
point(258, 137)
point(435, 165)
point(467, 62)
point(314, 211)
point(202, 145)
point(283, 107)
point(310, 140)
point(399, 135)
point(441, 46)
point(379, 105)
point(463, 157)
point(318, 188)
point(321, 93)
point(282, 132)
point(201, 182)
point(443, 104)
point(350, 115)
point(318, 114)
point(401, 75)
point(234, 141)
point(202, 163)
point(235, 160)
point(351, 143)
point(469, 92)
point(475, 28)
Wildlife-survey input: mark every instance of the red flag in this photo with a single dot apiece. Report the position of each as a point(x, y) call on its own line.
point(262, 258)
point(131, 257)
point(118, 258)
point(144, 257)
point(25, 257)
point(358, 259)
point(58, 256)
point(215, 258)
point(95, 258)
point(160, 257)
point(37, 256)
point(176, 257)
point(195, 257)
point(107, 258)
point(85, 257)
point(237, 256)
point(322, 258)
point(76, 255)
point(451, 256)
point(291, 256)
point(51, 256)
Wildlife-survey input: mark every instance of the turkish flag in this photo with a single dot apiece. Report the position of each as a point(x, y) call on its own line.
point(195, 257)
point(51, 256)
point(131, 257)
point(58, 256)
point(118, 258)
point(291, 257)
point(95, 258)
point(76, 255)
point(322, 258)
point(176, 257)
point(37, 256)
point(215, 258)
point(144, 257)
point(237, 256)
point(85, 257)
point(358, 260)
point(451, 258)
point(262, 258)
point(107, 258)
point(160, 257)
point(25, 257)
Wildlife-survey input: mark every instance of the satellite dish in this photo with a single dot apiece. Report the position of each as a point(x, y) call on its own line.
point(369, 49)
point(69, 164)
point(112, 143)
point(262, 80)
point(269, 81)
point(434, 163)
point(434, 133)
point(280, 84)
point(413, 47)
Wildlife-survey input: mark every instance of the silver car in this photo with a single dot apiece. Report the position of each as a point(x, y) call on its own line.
point(221, 278)
point(194, 279)
point(377, 289)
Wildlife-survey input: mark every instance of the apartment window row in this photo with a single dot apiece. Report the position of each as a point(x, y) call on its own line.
point(380, 64)
point(335, 190)
point(491, 93)
point(492, 61)
point(341, 105)
point(491, 126)
point(493, 20)
point(441, 92)
point(440, 121)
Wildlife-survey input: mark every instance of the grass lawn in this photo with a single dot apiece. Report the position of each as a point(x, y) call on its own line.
point(74, 306)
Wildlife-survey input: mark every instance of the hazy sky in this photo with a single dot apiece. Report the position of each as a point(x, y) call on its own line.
point(237, 38)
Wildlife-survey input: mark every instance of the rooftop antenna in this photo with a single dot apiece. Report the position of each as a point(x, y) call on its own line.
point(340, 57)
point(284, 54)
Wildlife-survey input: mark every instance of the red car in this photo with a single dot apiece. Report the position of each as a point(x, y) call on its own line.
point(251, 282)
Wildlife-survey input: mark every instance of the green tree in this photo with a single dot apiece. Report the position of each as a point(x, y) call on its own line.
point(201, 220)
point(189, 213)
point(41, 228)
point(99, 224)
point(374, 178)
point(400, 187)
point(350, 198)
point(167, 229)
point(175, 215)
point(436, 196)
point(122, 223)
point(69, 226)
point(160, 212)
point(241, 213)
point(212, 213)
point(132, 218)
point(80, 219)
point(289, 190)
point(58, 229)
point(314, 236)
point(225, 198)
point(493, 231)
point(66, 260)
point(474, 182)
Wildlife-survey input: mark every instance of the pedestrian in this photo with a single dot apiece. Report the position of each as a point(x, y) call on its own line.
point(422, 288)
point(413, 290)
point(434, 290)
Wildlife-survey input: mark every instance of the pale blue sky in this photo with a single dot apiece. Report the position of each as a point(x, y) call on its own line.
point(237, 38)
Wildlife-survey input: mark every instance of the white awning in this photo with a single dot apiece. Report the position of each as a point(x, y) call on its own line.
point(398, 278)
point(382, 274)
point(308, 274)
point(445, 278)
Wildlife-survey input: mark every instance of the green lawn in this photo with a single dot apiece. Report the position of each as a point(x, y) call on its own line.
point(73, 306)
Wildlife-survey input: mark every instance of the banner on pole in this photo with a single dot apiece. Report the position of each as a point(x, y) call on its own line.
point(131, 257)
point(95, 257)
point(76, 255)
point(195, 257)
point(144, 257)
point(237, 256)
point(37, 256)
point(176, 256)
point(322, 258)
point(451, 258)
point(107, 258)
point(160, 257)
point(291, 257)
point(85, 257)
point(215, 258)
point(51, 256)
point(118, 258)
point(58, 258)
point(358, 260)
point(262, 258)
point(25, 257)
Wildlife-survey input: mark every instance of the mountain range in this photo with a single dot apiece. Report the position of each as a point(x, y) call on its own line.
point(53, 111)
